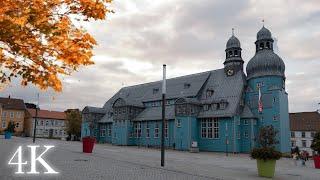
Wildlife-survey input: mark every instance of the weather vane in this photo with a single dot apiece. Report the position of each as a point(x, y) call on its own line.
point(232, 31)
point(263, 22)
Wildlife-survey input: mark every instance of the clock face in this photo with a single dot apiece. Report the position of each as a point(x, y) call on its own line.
point(230, 72)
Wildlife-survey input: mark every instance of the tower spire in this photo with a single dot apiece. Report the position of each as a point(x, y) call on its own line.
point(263, 22)
point(232, 31)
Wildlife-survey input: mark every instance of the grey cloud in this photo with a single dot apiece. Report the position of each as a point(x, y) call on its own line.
point(190, 36)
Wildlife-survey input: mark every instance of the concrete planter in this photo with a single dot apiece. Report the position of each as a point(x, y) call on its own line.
point(266, 168)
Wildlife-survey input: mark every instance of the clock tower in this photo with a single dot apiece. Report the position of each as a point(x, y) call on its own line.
point(233, 62)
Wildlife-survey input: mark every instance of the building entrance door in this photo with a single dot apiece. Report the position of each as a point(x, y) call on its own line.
point(50, 133)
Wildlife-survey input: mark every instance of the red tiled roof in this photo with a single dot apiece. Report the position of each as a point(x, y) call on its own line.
point(11, 103)
point(48, 114)
point(305, 121)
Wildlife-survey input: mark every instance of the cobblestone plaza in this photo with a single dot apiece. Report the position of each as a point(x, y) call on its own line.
point(123, 162)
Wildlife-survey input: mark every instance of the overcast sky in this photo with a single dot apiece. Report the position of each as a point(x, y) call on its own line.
point(190, 37)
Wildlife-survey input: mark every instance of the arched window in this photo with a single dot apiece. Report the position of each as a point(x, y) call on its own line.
point(235, 52)
point(268, 45)
point(230, 53)
point(261, 45)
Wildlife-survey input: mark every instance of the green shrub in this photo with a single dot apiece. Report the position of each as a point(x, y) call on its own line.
point(267, 141)
point(316, 142)
point(11, 127)
point(265, 153)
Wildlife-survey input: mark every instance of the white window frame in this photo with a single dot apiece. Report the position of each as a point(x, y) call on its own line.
point(178, 122)
point(139, 133)
point(4, 114)
point(147, 130)
point(156, 130)
point(109, 130)
point(166, 132)
point(11, 114)
point(103, 131)
point(210, 128)
point(246, 134)
point(303, 132)
point(302, 143)
point(4, 124)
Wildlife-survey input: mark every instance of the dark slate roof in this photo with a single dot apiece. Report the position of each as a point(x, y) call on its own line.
point(11, 103)
point(155, 113)
point(265, 63)
point(247, 113)
point(106, 119)
point(90, 109)
point(228, 88)
point(305, 121)
point(264, 33)
point(138, 94)
point(233, 42)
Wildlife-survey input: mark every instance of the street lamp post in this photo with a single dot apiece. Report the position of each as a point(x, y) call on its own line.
point(163, 113)
point(35, 122)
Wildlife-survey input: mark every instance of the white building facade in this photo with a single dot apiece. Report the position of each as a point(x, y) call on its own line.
point(303, 128)
point(50, 124)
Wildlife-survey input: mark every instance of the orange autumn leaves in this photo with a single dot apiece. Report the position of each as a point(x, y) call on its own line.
point(40, 41)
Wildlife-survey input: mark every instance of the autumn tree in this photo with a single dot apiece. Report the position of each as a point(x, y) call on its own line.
point(40, 40)
point(73, 125)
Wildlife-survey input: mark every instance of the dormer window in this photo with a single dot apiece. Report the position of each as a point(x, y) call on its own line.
point(223, 104)
point(155, 90)
point(214, 106)
point(206, 107)
point(209, 93)
point(187, 85)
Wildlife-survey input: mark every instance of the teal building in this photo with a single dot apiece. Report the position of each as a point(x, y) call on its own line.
point(219, 110)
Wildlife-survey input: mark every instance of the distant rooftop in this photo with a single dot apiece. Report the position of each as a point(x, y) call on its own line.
point(305, 121)
point(48, 114)
point(12, 103)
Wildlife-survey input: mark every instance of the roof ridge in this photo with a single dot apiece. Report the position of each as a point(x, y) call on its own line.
point(171, 78)
point(305, 112)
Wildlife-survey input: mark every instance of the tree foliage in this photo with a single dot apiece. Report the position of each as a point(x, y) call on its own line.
point(267, 141)
point(42, 39)
point(11, 127)
point(74, 122)
point(316, 143)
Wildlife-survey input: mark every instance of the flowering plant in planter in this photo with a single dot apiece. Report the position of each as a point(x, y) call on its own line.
point(316, 147)
point(266, 154)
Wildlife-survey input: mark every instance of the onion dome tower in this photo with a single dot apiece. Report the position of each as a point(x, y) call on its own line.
point(265, 93)
point(265, 62)
point(233, 62)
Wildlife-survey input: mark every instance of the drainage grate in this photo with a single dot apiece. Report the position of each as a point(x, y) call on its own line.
point(84, 160)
